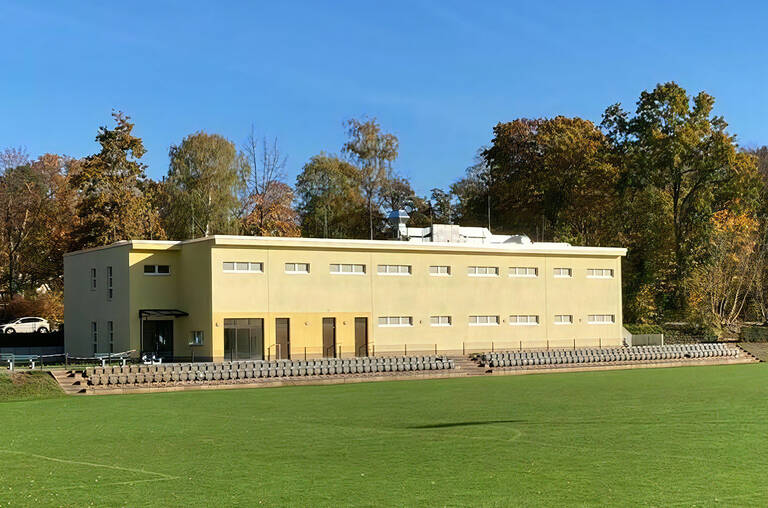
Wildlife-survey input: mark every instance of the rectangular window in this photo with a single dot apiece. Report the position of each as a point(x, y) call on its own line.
point(110, 291)
point(563, 272)
point(95, 337)
point(111, 333)
point(395, 321)
point(483, 271)
point(483, 320)
point(440, 321)
point(563, 319)
point(242, 267)
point(523, 271)
point(601, 319)
point(599, 273)
point(196, 338)
point(348, 269)
point(522, 319)
point(297, 268)
point(440, 270)
point(394, 270)
point(157, 270)
point(93, 279)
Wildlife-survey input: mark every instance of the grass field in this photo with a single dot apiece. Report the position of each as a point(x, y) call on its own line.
point(693, 436)
point(28, 386)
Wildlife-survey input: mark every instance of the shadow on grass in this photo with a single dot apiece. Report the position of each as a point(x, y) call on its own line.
point(463, 424)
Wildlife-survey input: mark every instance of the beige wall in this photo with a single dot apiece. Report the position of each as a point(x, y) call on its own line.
point(199, 286)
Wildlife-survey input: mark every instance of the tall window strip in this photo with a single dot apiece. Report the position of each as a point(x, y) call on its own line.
point(95, 337)
point(396, 321)
point(93, 279)
point(483, 320)
point(297, 268)
point(601, 319)
point(110, 290)
point(111, 334)
point(483, 271)
point(348, 269)
point(394, 270)
point(440, 321)
point(523, 271)
point(157, 270)
point(600, 273)
point(242, 267)
point(440, 270)
point(563, 319)
point(563, 272)
point(524, 319)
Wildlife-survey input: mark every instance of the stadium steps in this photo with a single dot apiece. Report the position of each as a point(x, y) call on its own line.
point(70, 381)
point(758, 353)
point(466, 365)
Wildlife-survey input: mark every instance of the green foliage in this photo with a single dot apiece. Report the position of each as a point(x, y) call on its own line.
point(754, 333)
point(643, 329)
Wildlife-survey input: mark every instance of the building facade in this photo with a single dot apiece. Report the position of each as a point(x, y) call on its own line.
point(228, 297)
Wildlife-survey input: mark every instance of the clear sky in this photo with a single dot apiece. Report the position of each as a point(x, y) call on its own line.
point(438, 74)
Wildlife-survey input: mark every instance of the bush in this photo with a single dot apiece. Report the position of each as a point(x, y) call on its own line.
point(640, 329)
point(754, 334)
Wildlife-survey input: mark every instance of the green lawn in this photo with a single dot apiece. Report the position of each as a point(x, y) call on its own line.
point(694, 436)
point(15, 386)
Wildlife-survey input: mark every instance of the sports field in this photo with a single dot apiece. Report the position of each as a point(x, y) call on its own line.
point(693, 436)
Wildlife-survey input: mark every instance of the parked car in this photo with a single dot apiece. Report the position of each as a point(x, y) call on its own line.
point(26, 325)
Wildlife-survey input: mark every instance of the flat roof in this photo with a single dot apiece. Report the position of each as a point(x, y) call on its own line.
point(377, 245)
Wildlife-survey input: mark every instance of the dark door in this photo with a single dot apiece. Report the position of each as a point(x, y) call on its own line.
point(244, 339)
point(283, 338)
point(361, 336)
point(158, 338)
point(329, 337)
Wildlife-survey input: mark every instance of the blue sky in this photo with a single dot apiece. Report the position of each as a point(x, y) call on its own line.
point(438, 74)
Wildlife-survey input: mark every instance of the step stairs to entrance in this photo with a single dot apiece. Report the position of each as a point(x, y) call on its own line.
point(467, 366)
point(70, 381)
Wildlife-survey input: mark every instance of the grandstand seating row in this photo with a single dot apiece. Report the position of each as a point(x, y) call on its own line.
point(624, 354)
point(192, 372)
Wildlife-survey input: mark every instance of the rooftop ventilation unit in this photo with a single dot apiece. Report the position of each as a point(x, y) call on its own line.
point(397, 219)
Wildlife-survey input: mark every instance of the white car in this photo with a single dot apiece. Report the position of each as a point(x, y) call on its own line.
point(26, 325)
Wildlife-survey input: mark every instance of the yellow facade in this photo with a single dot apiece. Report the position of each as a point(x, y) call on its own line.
point(204, 295)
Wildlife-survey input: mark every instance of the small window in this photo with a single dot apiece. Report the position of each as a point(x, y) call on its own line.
point(600, 273)
point(563, 319)
point(523, 271)
point(396, 321)
point(111, 334)
point(483, 271)
point(394, 270)
point(440, 270)
point(601, 319)
point(196, 338)
point(110, 291)
point(157, 270)
point(522, 319)
point(440, 321)
point(348, 269)
point(242, 267)
point(93, 279)
point(297, 268)
point(95, 337)
point(483, 320)
point(563, 272)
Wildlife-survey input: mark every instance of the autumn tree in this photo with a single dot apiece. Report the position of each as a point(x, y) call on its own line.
point(372, 152)
point(205, 178)
point(112, 205)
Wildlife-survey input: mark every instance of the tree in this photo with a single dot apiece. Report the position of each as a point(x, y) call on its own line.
point(441, 205)
point(112, 204)
point(330, 204)
point(267, 199)
point(676, 149)
point(205, 178)
point(372, 151)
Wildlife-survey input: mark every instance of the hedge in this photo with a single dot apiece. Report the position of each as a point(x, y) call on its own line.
point(639, 329)
point(754, 334)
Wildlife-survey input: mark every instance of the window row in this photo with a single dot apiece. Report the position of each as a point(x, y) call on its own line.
point(435, 270)
point(494, 320)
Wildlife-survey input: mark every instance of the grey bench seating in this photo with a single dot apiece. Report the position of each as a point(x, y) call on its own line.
point(254, 369)
point(603, 355)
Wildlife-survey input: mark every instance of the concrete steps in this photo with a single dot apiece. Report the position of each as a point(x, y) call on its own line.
point(70, 381)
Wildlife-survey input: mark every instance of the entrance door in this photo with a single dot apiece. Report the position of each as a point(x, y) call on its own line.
point(158, 338)
point(244, 339)
point(283, 338)
point(361, 336)
point(329, 337)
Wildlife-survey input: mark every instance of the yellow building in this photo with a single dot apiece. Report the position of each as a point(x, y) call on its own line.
point(232, 297)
